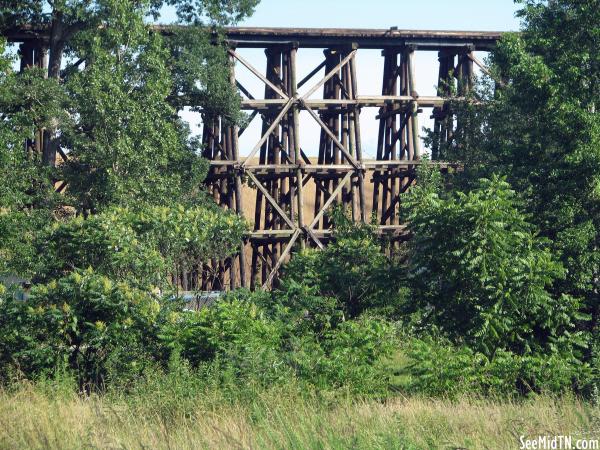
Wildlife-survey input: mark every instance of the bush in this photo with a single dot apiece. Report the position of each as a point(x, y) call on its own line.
point(352, 357)
point(19, 232)
point(438, 368)
point(480, 273)
point(140, 246)
point(233, 334)
point(301, 310)
point(319, 347)
point(352, 269)
point(84, 323)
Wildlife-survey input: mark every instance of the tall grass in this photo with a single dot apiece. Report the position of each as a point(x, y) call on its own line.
point(36, 417)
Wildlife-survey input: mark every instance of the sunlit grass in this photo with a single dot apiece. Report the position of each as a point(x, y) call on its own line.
point(36, 418)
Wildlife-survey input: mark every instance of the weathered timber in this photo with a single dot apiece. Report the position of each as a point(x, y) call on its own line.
point(286, 195)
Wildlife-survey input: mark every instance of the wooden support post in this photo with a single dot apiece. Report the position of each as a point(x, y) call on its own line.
point(414, 113)
point(296, 145)
point(238, 195)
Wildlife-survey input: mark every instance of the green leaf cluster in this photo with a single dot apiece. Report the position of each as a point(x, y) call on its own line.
point(480, 273)
point(83, 323)
point(141, 247)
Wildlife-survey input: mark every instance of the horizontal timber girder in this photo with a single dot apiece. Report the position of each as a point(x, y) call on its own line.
point(258, 37)
point(288, 196)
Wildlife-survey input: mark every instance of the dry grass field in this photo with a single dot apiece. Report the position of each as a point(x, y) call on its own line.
point(31, 419)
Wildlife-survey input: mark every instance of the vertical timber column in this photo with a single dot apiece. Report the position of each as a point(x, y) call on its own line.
point(277, 151)
point(219, 139)
point(324, 183)
point(464, 73)
point(398, 134)
point(296, 192)
point(443, 121)
point(465, 81)
point(263, 215)
point(414, 118)
point(33, 54)
point(452, 80)
point(212, 150)
point(343, 122)
point(356, 143)
point(239, 209)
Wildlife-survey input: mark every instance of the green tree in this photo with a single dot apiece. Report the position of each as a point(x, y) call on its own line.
point(481, 275)
point(353, 269)
point(541, 130)
point(27, 104)
point(109, 99)
point(123, 85)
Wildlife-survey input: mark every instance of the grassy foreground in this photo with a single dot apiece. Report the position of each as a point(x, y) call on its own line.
point(30, 418)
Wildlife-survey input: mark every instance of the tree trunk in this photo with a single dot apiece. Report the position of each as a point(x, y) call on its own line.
point(56, 50)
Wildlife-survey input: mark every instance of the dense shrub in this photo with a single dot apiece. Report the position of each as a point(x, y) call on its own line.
point(320, 345)
point(84, 323)
point(109, 334)
point(438, 368)
point(351, 356)
point(256, 338)
point(234, 334)
point(139, 246)
point(19, 233)
point(352, 269)
point(481, 275)
point(300, 308)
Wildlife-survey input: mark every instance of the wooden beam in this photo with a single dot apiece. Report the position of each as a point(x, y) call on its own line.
point(314, 237)
point(265, 136)
point(331, 73)
point(252, 69)
point(377, 101)
point(330, 200)
point(244, 90)
point(284, 254)
point(271, 200)
point(333, 137)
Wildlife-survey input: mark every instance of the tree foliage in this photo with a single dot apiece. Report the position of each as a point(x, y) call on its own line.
point(352, 269)
point(540, 129)
point(481, 274)
point(84, 323)
point(109, 100)
point(113, 92)
point(142, 247)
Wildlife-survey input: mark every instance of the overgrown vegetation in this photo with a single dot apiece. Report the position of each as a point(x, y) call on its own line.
point(495, 295)
point(178, 414)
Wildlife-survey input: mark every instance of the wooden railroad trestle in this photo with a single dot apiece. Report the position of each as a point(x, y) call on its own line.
point(278, 170)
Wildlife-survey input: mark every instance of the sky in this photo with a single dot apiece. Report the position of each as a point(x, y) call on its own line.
point(467, 15)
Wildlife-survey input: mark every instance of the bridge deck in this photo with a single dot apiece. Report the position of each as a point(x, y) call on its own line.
point(364, 38)
point(258, 37)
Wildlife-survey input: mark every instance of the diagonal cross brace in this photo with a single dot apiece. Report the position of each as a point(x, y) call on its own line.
point(264, 79)
point(271, 200)
point(284, 254)
point(333, 137)
point(330, 200)
point(265, 136)
point(309, 229)
point(331, 73)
